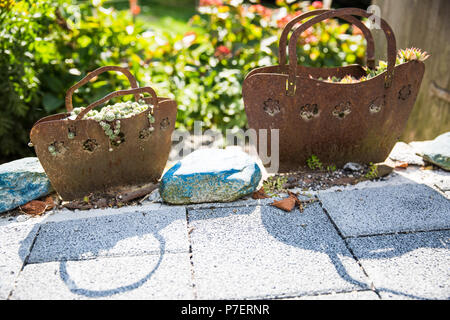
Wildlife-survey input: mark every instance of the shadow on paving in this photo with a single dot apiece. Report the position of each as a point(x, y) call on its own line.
point(313, 232)
point(93, 237)
point(81, 239)
point(377, 249)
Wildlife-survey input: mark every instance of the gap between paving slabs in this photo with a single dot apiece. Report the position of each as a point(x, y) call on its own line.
point(299, 243)
point(132, 235)
point(243, 202)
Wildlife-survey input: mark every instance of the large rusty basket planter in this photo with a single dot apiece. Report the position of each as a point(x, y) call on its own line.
point(85, 161)
point(337, 122)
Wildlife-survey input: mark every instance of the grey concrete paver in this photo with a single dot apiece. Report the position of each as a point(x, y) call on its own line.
point(165, 276)
point(407, 266)
point(133, 233)
point(387, 209)
point(16, 240)
point(247, 201)
point(261, 252)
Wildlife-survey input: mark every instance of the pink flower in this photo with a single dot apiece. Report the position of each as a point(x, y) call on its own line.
point(207, 3)
point(261, 10)
point(317, 4)
point(283, 21)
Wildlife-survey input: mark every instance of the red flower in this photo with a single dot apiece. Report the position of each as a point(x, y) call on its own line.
point(317, 4)
point(206, 3)
point(222, 52)
point(283, 21)
point(135, 10)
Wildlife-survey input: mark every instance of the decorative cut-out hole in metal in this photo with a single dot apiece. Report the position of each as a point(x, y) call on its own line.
point(57, 148)
point(145, 133)
point(164, 124)
point(271, 107)
point(308, 111)
point(71, 132)
point(405, 92)
point(376, 105)
point(342, 110)
point(90, 145)
point(120, 139)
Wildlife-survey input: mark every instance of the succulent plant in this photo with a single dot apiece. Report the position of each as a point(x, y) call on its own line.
point(403, 56)
point(108, 117)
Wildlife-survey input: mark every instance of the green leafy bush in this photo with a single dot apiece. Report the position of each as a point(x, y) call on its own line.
point(46, 46)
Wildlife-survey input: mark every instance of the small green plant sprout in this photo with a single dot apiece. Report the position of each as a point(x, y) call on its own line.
point(314, 163)
point(372, 173)
point(274, 184)
point(331, 168)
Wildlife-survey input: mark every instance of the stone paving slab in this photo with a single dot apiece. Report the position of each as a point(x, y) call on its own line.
point(407, 266)
point(263, 252)
point(66, 214)
point(134, 233)
point(16, 240)
point(247, 201)
point(387, 209)
point(145, 277)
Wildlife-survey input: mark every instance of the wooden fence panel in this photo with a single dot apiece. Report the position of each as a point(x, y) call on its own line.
point(423, 24)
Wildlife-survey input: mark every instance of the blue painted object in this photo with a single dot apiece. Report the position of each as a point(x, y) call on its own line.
point(21, 181)
point(436, 151)
point(210, 175)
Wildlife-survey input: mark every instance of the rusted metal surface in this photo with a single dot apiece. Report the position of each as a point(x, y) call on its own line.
point(338, 123)
point(84, 164)
point(370, 55)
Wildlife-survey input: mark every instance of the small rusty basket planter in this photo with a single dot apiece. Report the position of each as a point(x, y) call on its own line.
point(358, 122)
point(83, 162)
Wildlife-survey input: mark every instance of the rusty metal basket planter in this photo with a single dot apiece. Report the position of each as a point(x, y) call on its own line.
point(83, 163)
point(337, 122)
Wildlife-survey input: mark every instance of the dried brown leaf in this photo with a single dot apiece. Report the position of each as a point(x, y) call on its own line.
point(286, 204)
point(260, 194)
point(34, 207)
point(401, 165)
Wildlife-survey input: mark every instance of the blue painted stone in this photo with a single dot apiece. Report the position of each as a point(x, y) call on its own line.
point(436, 151)
point(21, 181)
point(210, 175)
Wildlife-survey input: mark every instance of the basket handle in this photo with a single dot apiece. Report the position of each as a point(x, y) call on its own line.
point(391, 44)
point(93, 74)
point(135, 91)
point(351, 19)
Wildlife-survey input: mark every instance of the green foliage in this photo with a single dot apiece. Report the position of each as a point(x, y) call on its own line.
point(372, 173)
point(331, 168)
point(314, 163)
point(274, 184)
point(46, 46)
